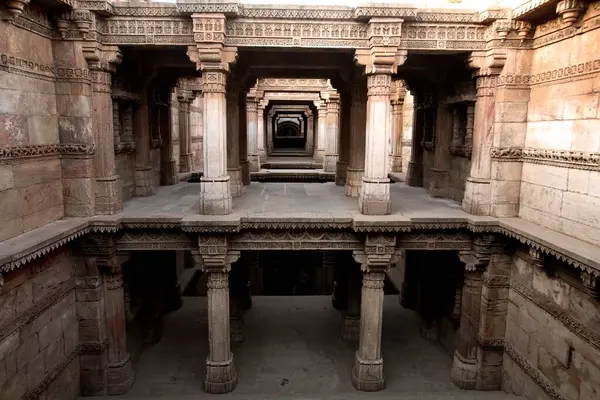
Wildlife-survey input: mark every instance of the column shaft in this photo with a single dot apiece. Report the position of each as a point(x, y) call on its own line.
point(185, 137)
point(367, 374)
point(374, 197)
point(332, 132)
point(120, 370)
point(215, 194)
point(108, 186)
point(144, 176)
point(252, 130)
point(233, 151)
point(343, 141)
point(351, 318)
point(414, 175)
point(260, 132)
point(321, 132)
point(358, 115)
point(397, 124)
point(310, 134)
point(243, 141)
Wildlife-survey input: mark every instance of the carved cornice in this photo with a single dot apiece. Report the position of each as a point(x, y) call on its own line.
point(48, 150)
point(434, 241)
point(155, 241)
point(559, 158)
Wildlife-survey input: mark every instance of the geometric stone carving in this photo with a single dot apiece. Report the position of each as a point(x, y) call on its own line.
point(302, 240)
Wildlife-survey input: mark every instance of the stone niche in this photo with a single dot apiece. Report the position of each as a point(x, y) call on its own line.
point(552, 331)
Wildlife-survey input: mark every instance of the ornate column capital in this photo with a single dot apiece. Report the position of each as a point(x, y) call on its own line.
point(487, 63)
point(100, 57)
point(212, 57)
point(378, 254)
point(480, 253)
point(212, 254)
point(380, 59)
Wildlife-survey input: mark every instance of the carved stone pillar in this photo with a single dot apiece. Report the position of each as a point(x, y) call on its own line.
point(216, 261)
point(144, 175)
point(117, 125)
point(215, 190)
point(351, 318)
point(332, 132)
point(310, 132)
point(477, 200)
point(358, 115)
point(442, 158)
point(102, 62)
point(367, 373)
point(414, 175)
point(339, 298)
point(464, 368)
point(270, 132)
point(343, 140)
point(233, 150)
point(319, 156)
point(252, 129)
point(260, 129)
point(120, 370)
point(374, 196)
point(397, 124)
point(185, 98)
point(243, 140)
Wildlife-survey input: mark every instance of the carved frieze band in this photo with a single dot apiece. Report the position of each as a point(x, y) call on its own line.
point(532, 372)
point(305, 240)
point(21, 66)
point(559, 158)
point(571, 72)
point(561, 315)
point(47, 150)
point(435, 241)
point(51, 376)
point(156, 241)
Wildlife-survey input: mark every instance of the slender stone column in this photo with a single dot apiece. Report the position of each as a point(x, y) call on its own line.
point(144, 175)
point(332, 132)
point(397, 124)
point(270, 132)
point(319, 156)
point(414, 175)
point(233, 150)
point(120, 370)
point(221, 376)
point(477, 200)
point(351, 318)
point(243, 139)
point(252, 129)
point(117, 126)
point(442, 159)
point(260, 129)
point(102, 63)
point(343, 141)
point(464, 368)
point(336, 261)
point(358, 115)
point(215, 192)
point(185, 98)
point(374, 197)
point(310, 132)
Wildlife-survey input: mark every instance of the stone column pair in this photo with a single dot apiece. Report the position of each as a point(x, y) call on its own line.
point(105, 361)
point(478, 358)
point(215, 261)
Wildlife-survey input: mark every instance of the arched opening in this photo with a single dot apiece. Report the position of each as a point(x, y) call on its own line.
point(289, 133)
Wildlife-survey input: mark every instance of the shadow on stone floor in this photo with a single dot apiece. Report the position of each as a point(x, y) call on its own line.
point(292, 350)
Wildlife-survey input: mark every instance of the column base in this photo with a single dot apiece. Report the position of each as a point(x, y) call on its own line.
point(438, 183)
point(464, 372)
point(319, 156)
point(414, 175)
point(120, 377)
point(236, 327)
point(185, 162)
point(108, 195)
point(144, 181)
point(395, 163)
point(354, 181)
point(245, 172)
point(350, 328)
point(220, 376)
point(329, 163)
point(374, 197)
point(477, 196)
point(235, 181)
point(262, 154)
point(367, 375)
point(341, 168)
point(169, 175)
point(215, 196)
point(253, 162)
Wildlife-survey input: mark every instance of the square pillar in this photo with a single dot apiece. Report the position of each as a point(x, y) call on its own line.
point(260, 129)
point(233, 145)
point(319, 155)
point(252, 133)
point(351, 317)
point(358, 115)
point(332, 132)
point(397, 106)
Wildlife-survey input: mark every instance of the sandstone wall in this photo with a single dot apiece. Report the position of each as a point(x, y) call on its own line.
point(564, 116)
point(31, 192)
point(39, 335)
point(552, 331)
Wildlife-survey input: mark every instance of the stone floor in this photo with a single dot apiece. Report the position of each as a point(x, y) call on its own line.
point(299, 357)
point(316, 200)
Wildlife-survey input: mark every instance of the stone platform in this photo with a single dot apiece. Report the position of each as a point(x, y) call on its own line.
point(295, 358)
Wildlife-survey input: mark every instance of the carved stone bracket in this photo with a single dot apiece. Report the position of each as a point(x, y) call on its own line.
point(479, 254)
point(14, 9)
point(378, 254)
point(590, 283)
point(213, 254)
point(102, 249)
point(569, 11)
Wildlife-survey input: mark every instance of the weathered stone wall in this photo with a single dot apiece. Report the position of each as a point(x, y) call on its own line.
point(31, 191)
point(564, 116)
point(458, 174)
point(39, 334)
point(552, 331)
